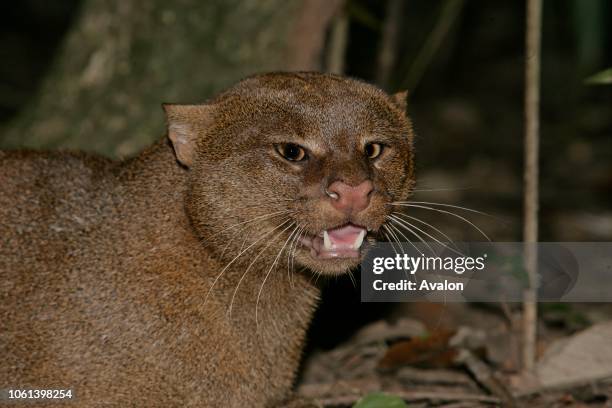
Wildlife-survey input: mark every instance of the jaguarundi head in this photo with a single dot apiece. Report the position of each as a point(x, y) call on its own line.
point(294, 168)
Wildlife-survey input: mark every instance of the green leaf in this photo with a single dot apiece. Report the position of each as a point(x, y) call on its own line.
point(380, 400)
point(600, 78)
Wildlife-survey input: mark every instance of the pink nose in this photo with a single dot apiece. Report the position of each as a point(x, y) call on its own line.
point(350, 199)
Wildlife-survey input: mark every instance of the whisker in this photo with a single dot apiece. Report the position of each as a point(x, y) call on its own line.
point(291, 238)
point(291, 254)
point(399, 220)
point(350, 274)
point(409, 276)
point(238, 233)
point(250, 265)
point(229, 242)
point(447, 205)
point(390, 239)
point(295, 249)
point(446, 212)
point(418, 190)
point(317, 276)
point(391, 225)
point(265, 216)
point(267, 203)
point(449, 239)
point(239, 254)
point(396, 238)
point(266, 278)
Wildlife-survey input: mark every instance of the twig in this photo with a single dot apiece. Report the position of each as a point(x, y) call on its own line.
point(433, 376)
point(388, 42)
point(530, 233)
point(347, 392)
point(461, 404)
point(566, 386)
point(483, 374)
point(408, 396)
point(450, 12)
point(337, 43)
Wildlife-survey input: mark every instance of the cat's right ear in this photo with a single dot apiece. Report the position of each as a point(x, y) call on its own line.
point(400, 99)
point(185, 124)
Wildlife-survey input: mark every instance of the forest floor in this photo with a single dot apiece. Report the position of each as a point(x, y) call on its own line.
point(467, 355)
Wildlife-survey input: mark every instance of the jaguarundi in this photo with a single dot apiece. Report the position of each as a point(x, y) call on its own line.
point(185, 276)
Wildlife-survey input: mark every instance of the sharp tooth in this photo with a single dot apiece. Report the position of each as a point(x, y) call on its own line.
point(359, 240)
point(326, 241)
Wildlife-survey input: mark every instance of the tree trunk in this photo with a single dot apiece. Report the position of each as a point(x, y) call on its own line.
point(123, 58)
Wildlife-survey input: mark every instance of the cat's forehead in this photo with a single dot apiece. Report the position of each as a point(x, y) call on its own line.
point(312, 90)
point(316, 108)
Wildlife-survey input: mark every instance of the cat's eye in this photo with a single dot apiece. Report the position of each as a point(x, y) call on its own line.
point(373, 150)
point(291, 151)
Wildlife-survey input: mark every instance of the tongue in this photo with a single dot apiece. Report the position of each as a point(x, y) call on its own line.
point(344, 237)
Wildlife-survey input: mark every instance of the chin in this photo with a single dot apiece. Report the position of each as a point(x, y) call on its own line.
point(329, 266)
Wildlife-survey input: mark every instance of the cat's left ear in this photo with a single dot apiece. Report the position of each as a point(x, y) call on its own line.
point(186, 123)
point(400, 99)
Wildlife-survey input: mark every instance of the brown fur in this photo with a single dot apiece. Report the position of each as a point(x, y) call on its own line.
point(107, 268)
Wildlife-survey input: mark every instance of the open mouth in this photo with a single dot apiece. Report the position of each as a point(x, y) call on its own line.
point(340, 242)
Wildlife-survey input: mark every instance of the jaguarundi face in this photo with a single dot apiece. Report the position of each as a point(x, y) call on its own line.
point(296, 169)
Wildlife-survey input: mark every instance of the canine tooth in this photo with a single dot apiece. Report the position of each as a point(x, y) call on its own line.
point(326, 241)
point(359, 240)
